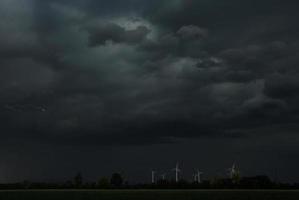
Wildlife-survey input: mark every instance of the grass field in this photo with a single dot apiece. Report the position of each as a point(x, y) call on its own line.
point(148, 195)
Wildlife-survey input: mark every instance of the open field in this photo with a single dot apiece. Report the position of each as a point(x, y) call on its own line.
point(148, 195)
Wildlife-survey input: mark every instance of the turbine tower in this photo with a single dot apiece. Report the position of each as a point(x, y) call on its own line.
point(197, 176)
point(163, 176)
point(194, 178)
point(177, 170)
point(232, 171)
point(153, 176)
point(199, 173)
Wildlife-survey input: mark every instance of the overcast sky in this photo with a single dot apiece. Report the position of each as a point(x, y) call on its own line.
point(100, 86)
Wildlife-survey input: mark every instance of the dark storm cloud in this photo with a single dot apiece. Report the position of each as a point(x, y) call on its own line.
point(101, 33)
point(192, 32)
point(282, 86)
point(144, 72)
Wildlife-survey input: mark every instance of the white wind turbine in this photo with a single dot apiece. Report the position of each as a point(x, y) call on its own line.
point(163, 176)
point(153, 176)
point(195, 178)
point(232, 171)
point(198, 176)
point(177, 170)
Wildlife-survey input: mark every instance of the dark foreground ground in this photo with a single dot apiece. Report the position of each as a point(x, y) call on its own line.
point(148, 195)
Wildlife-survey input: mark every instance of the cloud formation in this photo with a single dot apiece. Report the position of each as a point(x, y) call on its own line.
point(115, 72)
point(101, 33)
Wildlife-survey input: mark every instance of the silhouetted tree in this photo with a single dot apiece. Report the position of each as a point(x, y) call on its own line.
point(236, 177)
point(103, 183)
point(116, 180)
point(26, 184)
point(68, 184)
point(257, 182)
point(78, 180)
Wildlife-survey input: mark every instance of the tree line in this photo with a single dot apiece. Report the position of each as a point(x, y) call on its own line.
point(117, 181)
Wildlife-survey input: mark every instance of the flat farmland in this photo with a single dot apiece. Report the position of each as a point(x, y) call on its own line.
point(149, 195)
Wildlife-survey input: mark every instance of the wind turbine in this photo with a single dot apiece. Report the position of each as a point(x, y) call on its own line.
point(153, 176)
point(177, 170)
point(197, 176)
point(232, 171)
point(163, 177)
point(199, 173)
